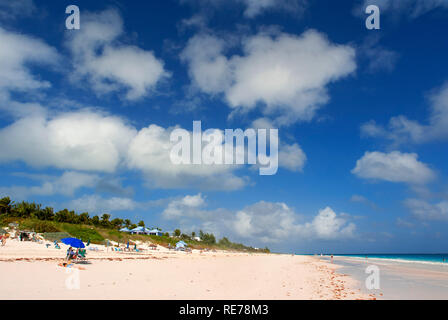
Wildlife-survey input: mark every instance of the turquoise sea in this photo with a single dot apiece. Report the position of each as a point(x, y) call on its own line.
point(436, 258)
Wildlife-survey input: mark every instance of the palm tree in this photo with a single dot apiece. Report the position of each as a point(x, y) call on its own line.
point(6, 205)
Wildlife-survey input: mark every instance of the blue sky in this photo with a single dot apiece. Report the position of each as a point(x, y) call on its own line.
point(85, 117)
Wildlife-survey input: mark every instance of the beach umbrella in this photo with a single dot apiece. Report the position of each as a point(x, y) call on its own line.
point(73, 242)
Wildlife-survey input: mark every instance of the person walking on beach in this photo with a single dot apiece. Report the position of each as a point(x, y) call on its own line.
point(331, 258)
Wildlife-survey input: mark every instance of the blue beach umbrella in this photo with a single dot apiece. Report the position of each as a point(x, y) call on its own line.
point(73, 242)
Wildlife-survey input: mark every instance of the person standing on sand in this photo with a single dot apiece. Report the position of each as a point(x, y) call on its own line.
point(331, 258)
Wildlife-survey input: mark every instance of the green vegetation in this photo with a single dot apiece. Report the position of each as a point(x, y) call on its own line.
point(52, 236)
point(84, 233)
point(65, 223)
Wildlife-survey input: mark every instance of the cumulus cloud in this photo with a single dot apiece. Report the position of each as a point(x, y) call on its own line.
point(286, 75)
point(21, 53)
point(266, 222)
point(91, 141)
point(78, 140)
point(328, 225)
point(108, 65)
point(394, 167)
point(88, 140)
point(66, 184)
point(403, 130)
point(411, 8)
point(424, 210)
point(292, 157)
point(186, 206)
point(150, 151)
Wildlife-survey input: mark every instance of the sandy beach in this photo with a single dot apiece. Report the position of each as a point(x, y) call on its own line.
point(30, 271)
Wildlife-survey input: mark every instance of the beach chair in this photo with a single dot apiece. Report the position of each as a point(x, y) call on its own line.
point(82, 254)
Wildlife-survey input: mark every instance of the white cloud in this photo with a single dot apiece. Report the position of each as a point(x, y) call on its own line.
point(186, 206)
point(66, 185)
point(108, 65)
point(287, 75)
point(150, 151)
point(403, 130)
point(424, 210)
point(412, 8)
point(265, 222)
point(79, 140)
point(95, 204)
point(18, 56)
point(327, 225)
point(292, 157)
point(88, 140)
point(394, 167)
point(193, 201)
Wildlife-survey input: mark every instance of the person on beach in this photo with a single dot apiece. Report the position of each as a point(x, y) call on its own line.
point(331, 258)
point(66, 265)
point(70, 254)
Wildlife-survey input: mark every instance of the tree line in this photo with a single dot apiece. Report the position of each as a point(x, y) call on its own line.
point(32, 210)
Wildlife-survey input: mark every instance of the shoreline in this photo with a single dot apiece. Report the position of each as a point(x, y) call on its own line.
point(399, 280)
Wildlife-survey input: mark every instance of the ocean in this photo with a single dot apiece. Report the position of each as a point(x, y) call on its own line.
point(433, 258)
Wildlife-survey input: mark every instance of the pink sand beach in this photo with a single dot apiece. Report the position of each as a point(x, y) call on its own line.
point(30, 271)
